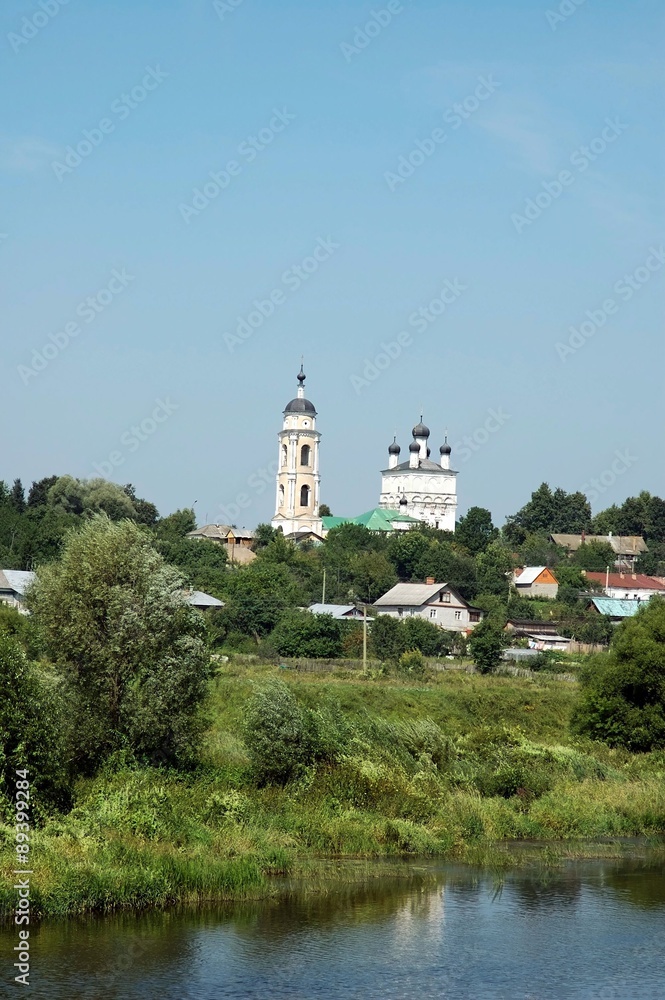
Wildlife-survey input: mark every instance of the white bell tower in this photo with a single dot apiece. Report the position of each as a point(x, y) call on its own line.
point(298, 478)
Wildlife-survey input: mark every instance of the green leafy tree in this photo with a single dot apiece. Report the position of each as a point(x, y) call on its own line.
point(131, 650)
point(279, 735)
point(475, 531)
point(300, 633)
point(324, 510)
point(549, 511)
point(487, 643)
point(176, 525)
point(493, 569)
point(263, 536)
point(17, 496)
point(387, 638)
point(371, 575)
point(623, 693)
point(256, 597)
point(38, 495)
point(594, 556)
point(405, 550)
point(31, 728)
point(145, 512)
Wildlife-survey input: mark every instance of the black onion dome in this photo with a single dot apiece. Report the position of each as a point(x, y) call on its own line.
point(394, 448)
point(300, 406)
point(414, 446)
point(445, 449)
point(420, 431)
point(403, 502)
point(301, 375)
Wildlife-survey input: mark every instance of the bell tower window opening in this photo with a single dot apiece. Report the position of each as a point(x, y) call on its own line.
point(305, 452)
point(304, 496)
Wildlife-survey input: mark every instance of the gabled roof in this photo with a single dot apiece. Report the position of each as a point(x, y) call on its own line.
point(16, 580)
point(627, 581)
point(220, 532)
point(200, 600)
point(336, 610)
point(616, 608)
point(529, 574)
point(414, 595)
point(623, 545)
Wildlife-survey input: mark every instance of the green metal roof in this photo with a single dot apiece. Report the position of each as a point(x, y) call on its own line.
point(615, 607)
point(376, 519)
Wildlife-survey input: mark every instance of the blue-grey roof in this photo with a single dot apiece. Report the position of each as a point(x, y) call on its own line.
point(336, 610)
point(616, 607)
point(200, 600)
point(300, 406)
point(17, 580)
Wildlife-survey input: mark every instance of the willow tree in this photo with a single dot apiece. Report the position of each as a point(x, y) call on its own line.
point(132, 652)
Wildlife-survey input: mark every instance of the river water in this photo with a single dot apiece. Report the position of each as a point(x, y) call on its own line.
point(585, 931)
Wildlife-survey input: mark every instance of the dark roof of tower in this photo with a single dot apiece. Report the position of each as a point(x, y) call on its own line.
point(300, 406)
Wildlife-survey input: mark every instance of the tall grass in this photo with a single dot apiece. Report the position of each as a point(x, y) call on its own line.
point(448, 766)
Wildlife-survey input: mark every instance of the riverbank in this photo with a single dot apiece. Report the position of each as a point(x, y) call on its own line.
point(450, 766)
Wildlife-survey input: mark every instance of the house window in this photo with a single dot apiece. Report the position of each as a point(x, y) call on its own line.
point(400, 612)
point(432, 612)
point(445, 597)
point(458, 616)
point(474, 616)
point(304, 454)
point(304, 496)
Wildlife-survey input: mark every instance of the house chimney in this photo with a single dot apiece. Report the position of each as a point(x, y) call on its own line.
point(430, 579)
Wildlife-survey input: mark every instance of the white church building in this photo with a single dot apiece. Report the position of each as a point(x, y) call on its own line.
point(420, 487)
point(298, 477)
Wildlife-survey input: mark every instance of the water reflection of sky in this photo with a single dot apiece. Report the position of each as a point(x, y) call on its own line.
point(589, 932)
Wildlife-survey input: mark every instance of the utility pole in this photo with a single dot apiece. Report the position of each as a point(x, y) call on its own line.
point(364, 638)
point(323, 594)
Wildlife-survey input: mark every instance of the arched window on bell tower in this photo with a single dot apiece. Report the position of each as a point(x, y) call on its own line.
point(285, 455)
point(281, 496)
point(305, 452)
point(304, 496)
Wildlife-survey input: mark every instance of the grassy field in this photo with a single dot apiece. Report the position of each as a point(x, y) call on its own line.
point(449, 766)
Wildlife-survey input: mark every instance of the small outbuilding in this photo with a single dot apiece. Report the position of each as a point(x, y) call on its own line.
point(535, 581)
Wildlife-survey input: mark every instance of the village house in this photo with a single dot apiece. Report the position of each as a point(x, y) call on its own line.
point(341, 612)
point(438, 603)
point(236, 541)
point(535, 581)
point(614, 608)
point(13, 586)
point(628, 586)
point(627, 548)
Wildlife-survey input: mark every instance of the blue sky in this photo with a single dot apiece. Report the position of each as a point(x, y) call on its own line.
point(539, 199)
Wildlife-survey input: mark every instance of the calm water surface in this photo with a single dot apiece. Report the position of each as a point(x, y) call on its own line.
point(589, 930)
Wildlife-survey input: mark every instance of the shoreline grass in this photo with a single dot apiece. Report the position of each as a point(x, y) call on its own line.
point(457, 767)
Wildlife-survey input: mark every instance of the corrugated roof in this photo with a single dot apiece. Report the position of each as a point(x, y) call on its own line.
point(410, 594)
point(336, 610)
point(376, 519)
point(17, 580)
point(616, 608)
point(424, 465)
point(528, 575)
point(220, 532)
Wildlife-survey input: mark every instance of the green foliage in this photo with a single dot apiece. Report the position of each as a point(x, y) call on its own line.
point(324, 510)
point(475, 531)
point(411, 663)
point(493, 568)
point(31, 729)
point(623, 701)
point(641, 515)
point(279, 735)
point(549, 512)
point(387, 638)
point(131, 650)
point(391, 637)
point(257, 595)
point(301, 633)
point(486, 644)
point(594, 556)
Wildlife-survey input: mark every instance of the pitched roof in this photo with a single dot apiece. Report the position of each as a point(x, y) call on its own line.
point(200, 600)
point(336, 610)
point(623, 545)
point(220, 532)
point(529, 574)
point(376, 519)
point(410, 594)
point(616, 608)
point(627, 581)
point(17, 580)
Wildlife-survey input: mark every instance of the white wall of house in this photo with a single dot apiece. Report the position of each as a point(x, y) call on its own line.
point(451, 616)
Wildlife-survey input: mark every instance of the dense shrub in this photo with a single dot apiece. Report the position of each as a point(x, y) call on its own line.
point(301, 633)
point(487, 643)
point(623, 699)
point(412, 663)
point(279, 734)
point(31, 729)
